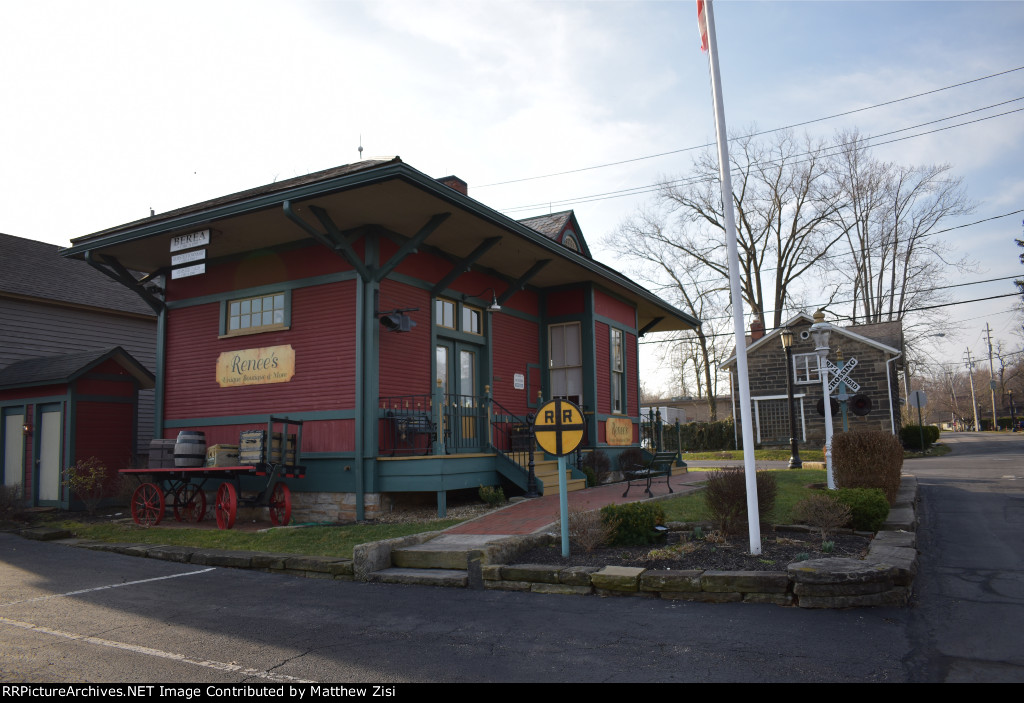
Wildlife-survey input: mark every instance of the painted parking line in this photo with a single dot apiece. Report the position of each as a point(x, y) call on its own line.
point(103, 588)
point(149, 651)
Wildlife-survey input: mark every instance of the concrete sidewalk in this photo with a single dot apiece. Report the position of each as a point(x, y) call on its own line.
point(529, 516)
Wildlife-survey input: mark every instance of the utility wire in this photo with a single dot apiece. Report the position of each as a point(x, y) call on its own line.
point(842, 317)
point(756, 134)
point(649, 188)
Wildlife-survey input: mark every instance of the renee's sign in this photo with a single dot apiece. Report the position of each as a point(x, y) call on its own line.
point(618, 431)
point(250, 367)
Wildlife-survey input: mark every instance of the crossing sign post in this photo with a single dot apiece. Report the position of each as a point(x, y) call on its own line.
point(559, 429)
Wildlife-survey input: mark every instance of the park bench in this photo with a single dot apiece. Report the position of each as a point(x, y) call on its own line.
point(406, 428)
point(660, 465)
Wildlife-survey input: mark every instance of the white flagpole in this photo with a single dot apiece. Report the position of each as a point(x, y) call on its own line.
point(743, 381)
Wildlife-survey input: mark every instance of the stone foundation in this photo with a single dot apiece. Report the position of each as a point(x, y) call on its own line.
point(336, 507)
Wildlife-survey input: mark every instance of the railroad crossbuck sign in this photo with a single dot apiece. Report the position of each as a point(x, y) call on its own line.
point(841, 376)
point(559, 427)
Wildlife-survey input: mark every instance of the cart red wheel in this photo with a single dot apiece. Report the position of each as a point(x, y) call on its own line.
point(227, 506)
point(281, 504)
point(189, 504)
point(148, 505)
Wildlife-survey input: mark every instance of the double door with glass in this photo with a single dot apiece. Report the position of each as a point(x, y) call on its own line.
point(458, 372)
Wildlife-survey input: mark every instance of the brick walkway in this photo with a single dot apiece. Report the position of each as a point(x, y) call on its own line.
point(528, 516)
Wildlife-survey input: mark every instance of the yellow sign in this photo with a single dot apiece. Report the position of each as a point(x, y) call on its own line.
point(559, 427)
point(618, 431)
point(250, 367)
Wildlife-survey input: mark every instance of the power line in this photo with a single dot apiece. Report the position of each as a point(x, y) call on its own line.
point(844, 317)
point(756, 134)
point(650, 188)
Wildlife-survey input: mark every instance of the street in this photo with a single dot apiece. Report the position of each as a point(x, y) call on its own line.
point(73, 615)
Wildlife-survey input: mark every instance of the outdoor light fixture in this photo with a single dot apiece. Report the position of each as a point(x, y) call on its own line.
point(493, 307)
point(26, 429)
point(786, 335)
point(393, 320)
point(820, 331)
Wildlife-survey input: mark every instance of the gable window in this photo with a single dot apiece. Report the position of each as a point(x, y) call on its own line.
point(565, 361)
point(618, 371)
point(261, 313)
point(805, 368)
point(444, 313)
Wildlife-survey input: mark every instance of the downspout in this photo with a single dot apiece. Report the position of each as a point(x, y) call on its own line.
point(888, 388)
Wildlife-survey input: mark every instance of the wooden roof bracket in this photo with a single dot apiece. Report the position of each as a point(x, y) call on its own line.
point(111, 267)
point(410, 246)
point(521, 282)
point(333, 239)
point(647, 328)
point(463, 265)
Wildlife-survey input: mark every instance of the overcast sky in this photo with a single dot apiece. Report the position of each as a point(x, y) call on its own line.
point(113, 108)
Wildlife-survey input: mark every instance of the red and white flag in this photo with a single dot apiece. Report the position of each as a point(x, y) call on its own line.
point(702, 25)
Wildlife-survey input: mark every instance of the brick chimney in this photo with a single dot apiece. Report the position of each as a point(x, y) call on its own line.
point(455, 183)
point(756, 330)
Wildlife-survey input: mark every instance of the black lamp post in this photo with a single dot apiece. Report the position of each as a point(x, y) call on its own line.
point(1013, 414)
point(787, 343)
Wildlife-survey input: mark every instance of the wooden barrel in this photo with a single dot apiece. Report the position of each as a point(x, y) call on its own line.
point(190, 450)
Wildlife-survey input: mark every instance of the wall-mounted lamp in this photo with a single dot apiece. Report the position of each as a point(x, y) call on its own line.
point(393, 320)
point(493, 307)
point(26, 429)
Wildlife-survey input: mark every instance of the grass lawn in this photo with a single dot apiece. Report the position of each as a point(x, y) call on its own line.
point(762, 454)
point(320, 541)
point(792, 487)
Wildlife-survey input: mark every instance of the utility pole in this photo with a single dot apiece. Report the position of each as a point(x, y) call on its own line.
point(970, 374)
point(955, 411)
point(992, 377)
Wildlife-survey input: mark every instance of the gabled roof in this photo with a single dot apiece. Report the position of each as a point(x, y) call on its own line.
point(31, 269)
point(861, 333)
point(557, 226)
point(386, 196)
point(65, 368)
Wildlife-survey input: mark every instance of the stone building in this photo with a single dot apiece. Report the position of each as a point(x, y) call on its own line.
point(872, 350)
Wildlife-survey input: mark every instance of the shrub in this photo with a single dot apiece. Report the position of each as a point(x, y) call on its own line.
point(587, 529)
point(867, 460)
point(492, 495)
point(632, 523)
point(868, 507)
point(910, 435)
point(89, 479)
point(10, 500)
point(630, 458)
point(823, 512)
point(725, 496)
point(598, 464)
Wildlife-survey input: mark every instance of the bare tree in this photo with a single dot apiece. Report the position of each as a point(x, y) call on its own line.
point(786, 203)
point(646, 241)
point(894, 263)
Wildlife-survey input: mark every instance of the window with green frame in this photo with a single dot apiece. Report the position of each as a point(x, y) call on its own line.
point(618, 369)
point(259, 313)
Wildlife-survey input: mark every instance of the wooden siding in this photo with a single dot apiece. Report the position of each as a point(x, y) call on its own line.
point(317, 435)
point(405, 356)
point(104, 430)
point(602, 347)
point(515, 343)
point(614, 309)
point(323, 335)
point(33, 329)
point(631, 370)
point(565, 302)
point(260, 268)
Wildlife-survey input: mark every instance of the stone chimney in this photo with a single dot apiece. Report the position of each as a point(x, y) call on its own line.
point(756, 330)
point(455, 183)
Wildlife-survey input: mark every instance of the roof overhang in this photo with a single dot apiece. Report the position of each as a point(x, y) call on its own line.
point(389, 195)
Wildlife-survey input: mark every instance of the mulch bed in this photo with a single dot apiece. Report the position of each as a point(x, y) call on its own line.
point(778, 550)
